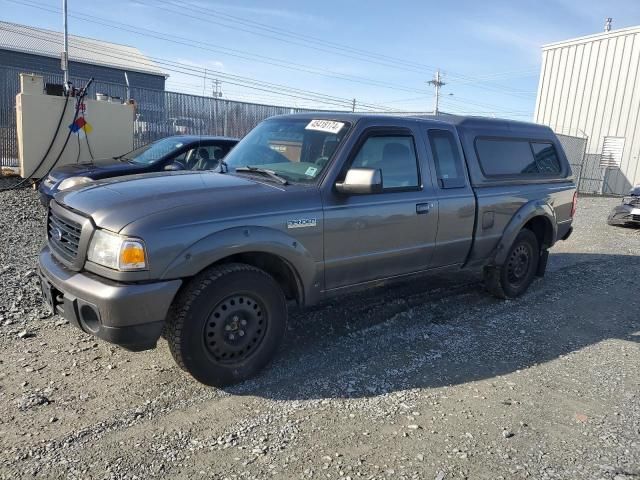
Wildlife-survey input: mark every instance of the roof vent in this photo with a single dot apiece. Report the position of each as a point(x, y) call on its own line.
point(607, 24)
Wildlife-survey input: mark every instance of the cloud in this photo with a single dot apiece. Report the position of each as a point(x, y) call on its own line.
point(203, 63)
point(260, 12)
point(513, 38)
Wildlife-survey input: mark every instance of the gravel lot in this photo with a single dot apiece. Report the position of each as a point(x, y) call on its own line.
point(434, 379)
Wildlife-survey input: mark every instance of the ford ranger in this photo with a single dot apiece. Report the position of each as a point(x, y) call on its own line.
point(304, 208)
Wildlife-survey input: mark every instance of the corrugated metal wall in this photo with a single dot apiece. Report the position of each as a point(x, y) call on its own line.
point(591, 87)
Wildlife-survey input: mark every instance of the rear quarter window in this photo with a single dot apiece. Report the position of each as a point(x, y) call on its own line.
point(515, 157)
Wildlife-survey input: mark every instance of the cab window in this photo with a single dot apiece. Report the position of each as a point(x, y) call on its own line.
point(446, 156)
point(395, 155)
point(298, 149)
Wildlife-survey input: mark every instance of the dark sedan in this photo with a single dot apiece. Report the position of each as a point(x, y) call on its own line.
point(172, 153)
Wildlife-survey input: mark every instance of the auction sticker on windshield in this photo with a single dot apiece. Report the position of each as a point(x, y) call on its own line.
point(325, 126)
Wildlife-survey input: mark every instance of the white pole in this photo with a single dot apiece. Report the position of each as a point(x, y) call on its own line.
point(437, 98)
point(65, 61)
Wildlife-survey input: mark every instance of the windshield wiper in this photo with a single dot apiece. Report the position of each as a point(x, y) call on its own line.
point(269, 173)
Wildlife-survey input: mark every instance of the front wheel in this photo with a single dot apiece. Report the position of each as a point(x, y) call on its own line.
point(227, 324)
point(513, 278)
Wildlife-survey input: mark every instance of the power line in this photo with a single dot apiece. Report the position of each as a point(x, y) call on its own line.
point(176, 67)
point(237, 53)
point(275, 33)
point(314, 43)
point(137, 30)
point(291, 34)
point(463, 109)
point(237, 95)
point(465, 101)
point(198, 72)
point(234, 52)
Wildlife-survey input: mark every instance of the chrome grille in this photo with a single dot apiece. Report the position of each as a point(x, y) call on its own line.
point(64, 235)
point(635, 218)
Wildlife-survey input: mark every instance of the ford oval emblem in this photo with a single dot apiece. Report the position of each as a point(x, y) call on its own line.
point(56, 233)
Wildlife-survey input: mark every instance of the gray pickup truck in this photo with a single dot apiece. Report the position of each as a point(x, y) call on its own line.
point(304, 208)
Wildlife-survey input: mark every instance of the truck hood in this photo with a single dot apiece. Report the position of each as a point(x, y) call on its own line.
point(115, 203)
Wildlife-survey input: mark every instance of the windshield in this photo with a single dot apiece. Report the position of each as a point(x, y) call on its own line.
point(297, 150)
point(155, 151)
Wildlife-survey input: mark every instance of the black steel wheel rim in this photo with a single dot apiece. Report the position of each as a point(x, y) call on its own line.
point(518, 264)
point(235, 328)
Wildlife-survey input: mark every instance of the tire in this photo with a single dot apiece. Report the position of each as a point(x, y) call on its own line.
point(227, 323)
point(513, 278)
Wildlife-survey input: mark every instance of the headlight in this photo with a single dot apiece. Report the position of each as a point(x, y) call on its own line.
point(117, 252)
point(67, 183)
point(48, 181)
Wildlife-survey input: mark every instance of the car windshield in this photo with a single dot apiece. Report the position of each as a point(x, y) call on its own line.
point(297, 150)
point(153, 152)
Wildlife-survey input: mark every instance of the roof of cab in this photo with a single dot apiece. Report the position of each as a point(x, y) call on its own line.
point(463, 122)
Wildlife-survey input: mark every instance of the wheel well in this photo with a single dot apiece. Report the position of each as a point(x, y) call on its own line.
point(542, 229)
point(276, 266)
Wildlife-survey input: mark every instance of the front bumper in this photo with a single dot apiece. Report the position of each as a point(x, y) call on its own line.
point(129, 315)
point(625, 215)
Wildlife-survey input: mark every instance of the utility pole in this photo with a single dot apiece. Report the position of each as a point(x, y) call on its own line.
point(353, 105)
point(217, 91)
point(437, 83)
point(204, 83)
point(65, 54)
point(607, 24)
point(216, 94)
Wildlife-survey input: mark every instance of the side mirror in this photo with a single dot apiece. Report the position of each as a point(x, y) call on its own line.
point(173, 167)
point(360, 181)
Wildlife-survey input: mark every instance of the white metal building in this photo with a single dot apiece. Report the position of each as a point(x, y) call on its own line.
point(590, 87)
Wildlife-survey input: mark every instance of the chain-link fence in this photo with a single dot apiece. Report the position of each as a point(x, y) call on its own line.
point(575, 149)
point(159, 113)
point(591, 175)
point(9, 86)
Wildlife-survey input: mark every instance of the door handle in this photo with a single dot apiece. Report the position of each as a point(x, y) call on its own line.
point(423, 208)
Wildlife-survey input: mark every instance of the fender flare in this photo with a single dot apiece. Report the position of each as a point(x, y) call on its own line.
point(534, 208)
point(253, 239)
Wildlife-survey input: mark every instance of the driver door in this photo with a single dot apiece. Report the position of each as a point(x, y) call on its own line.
point(375, 236)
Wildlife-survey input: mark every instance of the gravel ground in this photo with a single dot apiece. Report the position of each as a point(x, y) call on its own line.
point(434, 379)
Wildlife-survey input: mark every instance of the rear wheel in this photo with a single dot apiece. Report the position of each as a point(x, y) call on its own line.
point(227, 324)
point(513, 278)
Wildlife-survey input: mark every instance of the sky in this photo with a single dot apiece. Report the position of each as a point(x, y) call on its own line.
point(378, 52)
